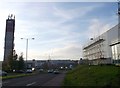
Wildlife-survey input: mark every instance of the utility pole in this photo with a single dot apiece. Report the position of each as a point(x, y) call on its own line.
point(118, 14)
point(27, 48)
point(118, 28)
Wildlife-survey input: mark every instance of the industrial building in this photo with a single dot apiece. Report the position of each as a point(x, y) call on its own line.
point(104, 49)
point(50, 64)
point(9, 37)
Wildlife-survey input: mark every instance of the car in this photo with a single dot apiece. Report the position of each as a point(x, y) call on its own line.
point(19, 71)
point(28, 71)
point(50, 71)
point(56, 71)
point(41, 70)
point(3, 73)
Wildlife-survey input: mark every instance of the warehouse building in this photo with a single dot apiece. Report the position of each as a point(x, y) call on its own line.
point(105, 49)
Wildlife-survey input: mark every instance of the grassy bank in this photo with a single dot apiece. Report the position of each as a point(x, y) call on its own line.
point(84, 75)
point(15, 76)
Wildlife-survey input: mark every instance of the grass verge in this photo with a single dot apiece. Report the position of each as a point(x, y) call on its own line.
point(84, 75)
point(15, 76)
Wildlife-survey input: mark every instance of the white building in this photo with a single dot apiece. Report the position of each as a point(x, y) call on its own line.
point(105, 49)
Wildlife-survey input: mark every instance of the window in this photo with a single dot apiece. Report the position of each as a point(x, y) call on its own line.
point(118, 48)
point(113, 52)
point(116, 53)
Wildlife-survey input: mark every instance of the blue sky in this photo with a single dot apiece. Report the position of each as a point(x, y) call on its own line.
point(60, 29)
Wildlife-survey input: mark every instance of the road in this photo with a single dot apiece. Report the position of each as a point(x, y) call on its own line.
point(46, 79)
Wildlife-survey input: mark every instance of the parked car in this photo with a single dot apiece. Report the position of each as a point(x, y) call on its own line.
point(3, 73)
point(41, 70)
point(19, 71)
point(56, 71)
point(50, 71)
point(28, 71)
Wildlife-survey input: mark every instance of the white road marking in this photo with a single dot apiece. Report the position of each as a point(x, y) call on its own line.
point(5, 82)
point(30, 84)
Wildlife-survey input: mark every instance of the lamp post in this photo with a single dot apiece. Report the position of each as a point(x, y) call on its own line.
point(27, 48)
point(118, 28)
point(118, 13)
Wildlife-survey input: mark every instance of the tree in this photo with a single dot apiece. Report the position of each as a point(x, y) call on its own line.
point(21, 64)
point(7, 65)
point(13, 62)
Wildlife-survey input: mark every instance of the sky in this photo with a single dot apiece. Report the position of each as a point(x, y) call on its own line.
point(60, 29)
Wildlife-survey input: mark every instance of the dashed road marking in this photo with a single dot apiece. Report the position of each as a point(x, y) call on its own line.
point(30, 84)
point(5, 82)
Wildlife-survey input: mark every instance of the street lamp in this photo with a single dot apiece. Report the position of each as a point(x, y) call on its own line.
point(27, 48)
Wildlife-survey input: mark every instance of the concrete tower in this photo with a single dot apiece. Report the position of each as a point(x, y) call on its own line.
point(9, 37)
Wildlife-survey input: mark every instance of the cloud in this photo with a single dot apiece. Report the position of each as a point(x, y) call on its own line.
point(60, 1)
point(96, 28)
point(56, 27)
point(73, 13)
point(71, 51)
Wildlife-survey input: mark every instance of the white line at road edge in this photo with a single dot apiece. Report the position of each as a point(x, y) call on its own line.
point(31, 84)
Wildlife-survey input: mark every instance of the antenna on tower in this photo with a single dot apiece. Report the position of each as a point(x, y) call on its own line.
point(10, 16)
point(14, 16)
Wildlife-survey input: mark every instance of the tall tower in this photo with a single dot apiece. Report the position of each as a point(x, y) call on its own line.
point(9, 37)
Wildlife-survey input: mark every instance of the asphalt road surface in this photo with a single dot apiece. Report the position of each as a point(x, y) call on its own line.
point(47, 79)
